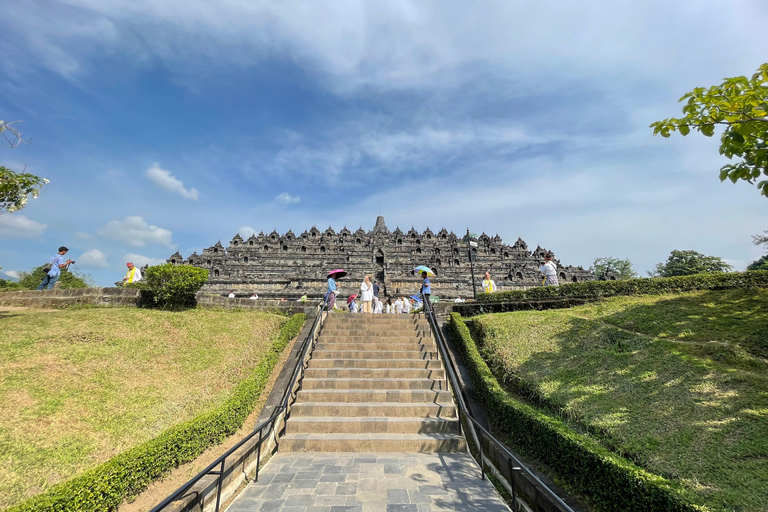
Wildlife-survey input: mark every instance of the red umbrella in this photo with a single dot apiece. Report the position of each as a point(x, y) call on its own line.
point(336, 274)
point(351, 298)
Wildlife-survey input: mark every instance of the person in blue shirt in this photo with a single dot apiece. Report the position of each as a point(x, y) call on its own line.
point(425, 288)
point(57, 263)
point(330, 295)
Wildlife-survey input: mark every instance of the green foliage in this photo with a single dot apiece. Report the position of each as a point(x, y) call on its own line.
point(69, 279)
point(688, 263)
point(9, 286)
point(174, 286)
point(611, 482)
point(127, 474)
point(643, 286)
point(621, 269)
point(15, 189)
point(759, 264)
point(741, 105)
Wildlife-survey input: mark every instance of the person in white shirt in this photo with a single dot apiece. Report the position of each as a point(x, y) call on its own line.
point(377, 306)
point(231, 294)
point(353, 307)
point(488, 285)
point(398, 306)
point(406, 305)
point(253, 296)
point(366, 294)
point(133, 275)
point(458, 299)
point(549, 270)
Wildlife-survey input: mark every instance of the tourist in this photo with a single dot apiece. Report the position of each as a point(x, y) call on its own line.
point(253, 296)
point(377, 306)
point(406, 305)
point(458, 300)
point(366, 294)
point(303, 298)
point(376, 289)
point(231, 294)
point(390, 309)
point(133, 275)
point(352, 306)
point(426, 289)
point(549, 270)
point(398, 305)
point(330, 295)
point(488, 285)
point(53, 268)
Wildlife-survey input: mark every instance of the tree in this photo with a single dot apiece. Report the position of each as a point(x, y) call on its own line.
point(69, 279)
point(762, 263)
point(686, 263)
point(15, 188)
point(605, 267)
point(741, 106)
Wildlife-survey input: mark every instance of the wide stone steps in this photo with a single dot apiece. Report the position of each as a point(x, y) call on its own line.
point(374, 383)
point(383, 383)
point(373, 395)
point(372, 425)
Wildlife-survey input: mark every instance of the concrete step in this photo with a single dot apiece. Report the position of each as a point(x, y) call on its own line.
point(372, 354)
point(377, 345)
point(373, 395)
point(369, 383)
point(388, 409)
point(383, 318)
point(374, 333)
point(429, 364)
point(373, 373)
point(372, 443)
point(331, 338)
point(371, 425)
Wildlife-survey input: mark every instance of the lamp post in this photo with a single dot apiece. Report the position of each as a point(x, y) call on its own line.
point(471, 244)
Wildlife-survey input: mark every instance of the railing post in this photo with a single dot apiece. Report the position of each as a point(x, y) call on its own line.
point(258, 454)
point(512, 481)
point(482, 467)
point(221, 482)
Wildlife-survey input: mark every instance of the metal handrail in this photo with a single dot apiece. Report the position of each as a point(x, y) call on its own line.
point(514, 464)
point(284, 406)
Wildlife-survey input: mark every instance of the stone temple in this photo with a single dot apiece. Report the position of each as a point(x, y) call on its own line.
point(289, 265)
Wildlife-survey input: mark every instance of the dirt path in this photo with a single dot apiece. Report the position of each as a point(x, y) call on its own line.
point(161, 489)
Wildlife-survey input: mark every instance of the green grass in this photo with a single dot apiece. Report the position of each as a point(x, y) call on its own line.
point(676, 383)
point(80, 386)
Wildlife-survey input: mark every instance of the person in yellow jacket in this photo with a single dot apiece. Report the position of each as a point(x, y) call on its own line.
point(488, 285)
point(133, 275)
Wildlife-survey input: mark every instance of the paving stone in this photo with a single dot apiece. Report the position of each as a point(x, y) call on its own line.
point(345, 508)
point(396, 496)
point(300, 500)
point(271, 505)
point(346, 489)
point(402, 508)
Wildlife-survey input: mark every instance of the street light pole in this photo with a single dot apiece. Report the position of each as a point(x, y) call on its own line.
point(471, 265)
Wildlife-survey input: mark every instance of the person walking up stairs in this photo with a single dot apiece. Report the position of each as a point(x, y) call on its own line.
point(374, 383)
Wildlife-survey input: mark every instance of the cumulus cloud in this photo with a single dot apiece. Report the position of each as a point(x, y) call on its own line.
point(286, 198)
point(20, 226)
point(141, 260)
point(12, 273)
point(135, 231)
point(167, 181)
point(84, 236)
point(93, 258)
point(246, 231)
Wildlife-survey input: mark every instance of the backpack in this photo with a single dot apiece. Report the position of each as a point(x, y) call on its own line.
point(47, 267)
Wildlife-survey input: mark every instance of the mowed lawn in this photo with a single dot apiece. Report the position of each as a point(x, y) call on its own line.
point(82, 385)
point(677, 383)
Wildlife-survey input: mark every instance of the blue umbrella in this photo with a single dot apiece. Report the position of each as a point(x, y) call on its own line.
point(422, 268)
point(416, 298)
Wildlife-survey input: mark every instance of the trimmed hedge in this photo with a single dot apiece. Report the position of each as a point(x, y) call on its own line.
point(127, 474)
point(611, 482)
point(643, 286)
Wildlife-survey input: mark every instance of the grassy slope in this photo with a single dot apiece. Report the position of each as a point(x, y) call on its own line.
point(678, 383)
point(79, 386)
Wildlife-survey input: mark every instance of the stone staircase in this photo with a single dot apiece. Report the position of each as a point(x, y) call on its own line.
point(374, 383)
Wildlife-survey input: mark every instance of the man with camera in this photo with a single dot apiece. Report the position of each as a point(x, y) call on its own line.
point(53, 268)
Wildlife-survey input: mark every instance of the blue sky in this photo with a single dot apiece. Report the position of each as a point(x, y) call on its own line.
point(166, 125)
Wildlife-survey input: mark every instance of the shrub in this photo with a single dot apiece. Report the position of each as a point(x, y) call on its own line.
point(174, 286)
point(127, 474)
point(69, 279)
point(7, 286)
point(645, 286)
point(612, 482)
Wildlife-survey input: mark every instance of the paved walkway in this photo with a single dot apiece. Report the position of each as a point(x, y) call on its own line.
point(359, 482)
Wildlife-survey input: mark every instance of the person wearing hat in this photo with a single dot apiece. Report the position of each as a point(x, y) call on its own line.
point(549, 270)
point(54, 268)
point(133, 275)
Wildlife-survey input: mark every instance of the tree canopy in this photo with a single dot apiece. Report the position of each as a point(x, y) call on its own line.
point(604, 268)
point(15, 189)
point(741, 106)
point(686, 263)
point(762, 262)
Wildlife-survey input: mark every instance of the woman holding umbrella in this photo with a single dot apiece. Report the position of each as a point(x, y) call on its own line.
point(330, 295)
point(426, 289)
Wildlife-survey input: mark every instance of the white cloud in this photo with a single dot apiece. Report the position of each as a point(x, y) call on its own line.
point(93, 258)
point(140, 260)
point(84, 236)
point(246, 231)
point(287, 198)
point(15, 225)
point(134, 231)
point(165, 180)
point(12, 273)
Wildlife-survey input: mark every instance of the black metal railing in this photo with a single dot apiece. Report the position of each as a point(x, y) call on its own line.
point(217, 467)
point(480, 433)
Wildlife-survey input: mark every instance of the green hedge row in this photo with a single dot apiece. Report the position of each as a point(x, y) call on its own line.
point(127, 474)
point(644, 286)
point(611, 482)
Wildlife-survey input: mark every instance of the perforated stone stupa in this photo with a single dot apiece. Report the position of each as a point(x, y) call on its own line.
point(290, 266)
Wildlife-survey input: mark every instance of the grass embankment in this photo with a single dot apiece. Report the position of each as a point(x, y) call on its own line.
point(80, 386)
point(676, 383)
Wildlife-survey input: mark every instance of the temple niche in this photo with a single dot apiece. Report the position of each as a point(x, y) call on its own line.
point(290, 265)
